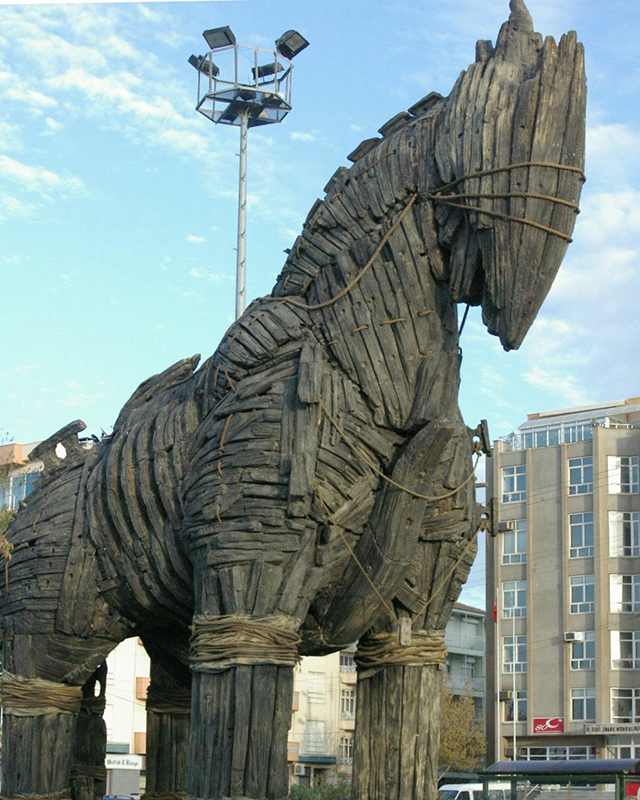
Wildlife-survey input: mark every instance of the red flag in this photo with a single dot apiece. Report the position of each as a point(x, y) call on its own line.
point(494, 613)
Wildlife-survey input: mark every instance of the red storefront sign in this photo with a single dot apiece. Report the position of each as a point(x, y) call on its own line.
point(548, 724)
point(633, 790)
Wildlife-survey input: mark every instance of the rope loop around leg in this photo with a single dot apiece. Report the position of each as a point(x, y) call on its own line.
point(33, 697)
point(221, 642)
point(427, 648)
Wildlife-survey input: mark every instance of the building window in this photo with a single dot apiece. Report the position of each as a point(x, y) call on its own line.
point(15, 489)
point(346, 749)
point(582, 594)
point(581, 475)
point(625, 593)
point(514, 484)
point(314, 736)
point(514, 654)
point(521, 704)
point(514, 599)
point(625, 649)
point(315, 691)
point(348, 703)
point(554, 434)
point(581, 534)
point(514, 543)
point(623, 474)
point(583, 653)
point(347, 662)
point(624, 533)
point(571, 753)
point(583, 704)
point(625, 705)
point(624, 747)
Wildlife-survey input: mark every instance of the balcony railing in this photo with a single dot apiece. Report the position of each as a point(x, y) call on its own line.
point(465, 642)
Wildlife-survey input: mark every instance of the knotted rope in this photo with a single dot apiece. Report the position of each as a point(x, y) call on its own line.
point(34, 697)
point(221, 642)
point(427, 648)
point(448, 199)
point(168, 700)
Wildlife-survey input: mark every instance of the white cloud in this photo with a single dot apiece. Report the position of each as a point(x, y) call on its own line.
point(211, 276)
point(297, 136)
point(37, 179)
point(9, 136)
point(53, 125)
point(195, 239)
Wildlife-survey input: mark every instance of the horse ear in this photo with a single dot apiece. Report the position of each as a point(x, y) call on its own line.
point(520, 18)
point(517, 41)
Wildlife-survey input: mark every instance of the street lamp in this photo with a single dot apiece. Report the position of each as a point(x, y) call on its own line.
point(256, 90)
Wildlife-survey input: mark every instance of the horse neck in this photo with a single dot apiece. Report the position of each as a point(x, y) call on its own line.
point(366, 258)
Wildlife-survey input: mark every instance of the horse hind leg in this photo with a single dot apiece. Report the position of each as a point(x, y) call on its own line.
point(168, 716)
point(43, 709)
point(88, 772)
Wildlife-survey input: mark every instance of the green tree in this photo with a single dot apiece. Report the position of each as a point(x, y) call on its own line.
point(462, 742)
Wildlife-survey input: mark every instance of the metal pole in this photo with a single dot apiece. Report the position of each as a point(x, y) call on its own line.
point(241, 264)
point(514, 691)
point(498, 649)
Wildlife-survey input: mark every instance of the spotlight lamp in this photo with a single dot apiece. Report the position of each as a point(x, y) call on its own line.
point(290, 44)
point(205, 66)
point(266, 70)
point(219, 37)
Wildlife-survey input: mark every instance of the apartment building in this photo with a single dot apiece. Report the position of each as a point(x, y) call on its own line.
point(563, 577)
point(17, 474)
point(320, 746)
point(324, 703)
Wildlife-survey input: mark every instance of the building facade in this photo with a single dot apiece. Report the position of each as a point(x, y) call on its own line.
point(465, 639)
point(563, 578)
point(323, 720)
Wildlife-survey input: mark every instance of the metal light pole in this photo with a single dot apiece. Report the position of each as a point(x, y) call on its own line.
point(241, 263)
point(261, 96)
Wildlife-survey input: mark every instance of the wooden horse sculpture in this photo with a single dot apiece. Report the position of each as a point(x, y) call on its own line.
point(311, 484)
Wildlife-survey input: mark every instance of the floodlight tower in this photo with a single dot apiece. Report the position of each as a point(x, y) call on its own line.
point(261, 95)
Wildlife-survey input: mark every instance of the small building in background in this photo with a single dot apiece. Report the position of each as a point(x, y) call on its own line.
point(465, 639)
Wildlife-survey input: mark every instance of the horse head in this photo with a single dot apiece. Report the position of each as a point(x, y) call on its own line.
point(509, 150)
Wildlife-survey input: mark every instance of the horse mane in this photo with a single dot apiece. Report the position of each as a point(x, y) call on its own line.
point(361, 200)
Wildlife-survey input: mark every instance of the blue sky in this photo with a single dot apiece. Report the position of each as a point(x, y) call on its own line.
point(118, 201)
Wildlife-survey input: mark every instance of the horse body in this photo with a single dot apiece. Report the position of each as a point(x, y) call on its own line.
point(311, 483)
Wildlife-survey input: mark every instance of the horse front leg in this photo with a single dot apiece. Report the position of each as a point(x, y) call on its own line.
point(249, 572)
point(401, 663)
point(242, 666)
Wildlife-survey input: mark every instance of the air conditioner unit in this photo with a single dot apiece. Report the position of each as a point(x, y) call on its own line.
point(502, 696)
point(506, 525)
point(574, 636)
point(298, 769)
